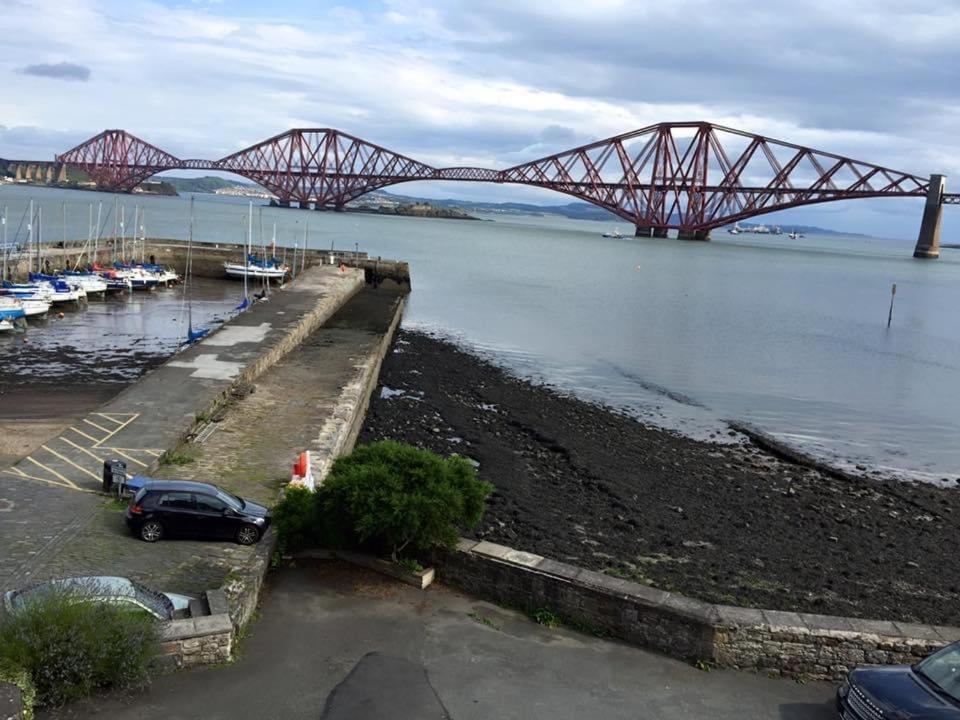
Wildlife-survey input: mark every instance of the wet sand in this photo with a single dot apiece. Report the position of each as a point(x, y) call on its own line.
point(731, 524)
point(62, 368)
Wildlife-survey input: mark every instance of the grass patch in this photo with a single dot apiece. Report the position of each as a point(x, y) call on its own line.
point(183, 455)
point(546, 617)
point(633, 575)
point(116, 505)
point(483, 620)
point(410, 565)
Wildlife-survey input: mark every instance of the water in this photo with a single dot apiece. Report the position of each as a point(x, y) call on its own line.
point(787, 335)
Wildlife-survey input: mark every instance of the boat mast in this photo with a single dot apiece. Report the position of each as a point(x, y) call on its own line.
point(246, 252)
point(123, 233)
point(188, 268)
point(39, 235)
point(6, 249)
point(64, 245)
point(30, 237)
point(96, 238)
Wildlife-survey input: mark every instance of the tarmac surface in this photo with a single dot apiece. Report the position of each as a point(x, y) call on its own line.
point(336, 642)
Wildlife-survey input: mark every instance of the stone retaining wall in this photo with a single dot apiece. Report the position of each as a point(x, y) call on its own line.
point(197, 641)
point(770, 641)
point(339, 432)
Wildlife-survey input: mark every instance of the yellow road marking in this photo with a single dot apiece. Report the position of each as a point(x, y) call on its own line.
point(98, 427)
point(17, 473)
point(81, 449)
point(128, 457)
point(112, 417)
point(111, 434)
point(155, 453)
point(53, 472)
point(68, 460)
point(81, 432)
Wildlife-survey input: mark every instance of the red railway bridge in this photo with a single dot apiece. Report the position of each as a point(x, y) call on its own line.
point(688, 176)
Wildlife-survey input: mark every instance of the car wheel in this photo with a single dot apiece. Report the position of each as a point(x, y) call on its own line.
point(248, 535)
point(151, 531)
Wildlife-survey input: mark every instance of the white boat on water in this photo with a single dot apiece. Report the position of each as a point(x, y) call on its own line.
point(33, 307)
point(735, 230)
point(92, 284)
point(5, 325)
point(257, 269)
point(615, 233)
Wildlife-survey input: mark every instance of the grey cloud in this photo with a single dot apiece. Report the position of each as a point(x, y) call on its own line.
point(59, 71)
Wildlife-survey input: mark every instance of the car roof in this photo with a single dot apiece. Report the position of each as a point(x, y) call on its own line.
point(183, 485)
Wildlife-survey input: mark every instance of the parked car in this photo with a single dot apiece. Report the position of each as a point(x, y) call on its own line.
point(929, 690)
point(101, 589)
point(179, 507)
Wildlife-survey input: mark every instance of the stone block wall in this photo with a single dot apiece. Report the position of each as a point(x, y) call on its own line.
point(197, 641)
point(769, 641)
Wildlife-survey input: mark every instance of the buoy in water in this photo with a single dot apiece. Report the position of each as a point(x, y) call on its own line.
point(60, 315)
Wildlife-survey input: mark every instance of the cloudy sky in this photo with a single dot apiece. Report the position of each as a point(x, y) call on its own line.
point(493, 82)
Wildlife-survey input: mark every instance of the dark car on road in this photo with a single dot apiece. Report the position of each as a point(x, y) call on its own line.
point(929, 690)
point(164, 508)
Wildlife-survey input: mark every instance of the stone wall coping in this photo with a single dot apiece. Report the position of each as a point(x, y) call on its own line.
point(720, 617)
point(196, 627)
point(217, 601)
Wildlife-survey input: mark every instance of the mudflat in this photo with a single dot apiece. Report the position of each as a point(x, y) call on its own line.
point(727, 523)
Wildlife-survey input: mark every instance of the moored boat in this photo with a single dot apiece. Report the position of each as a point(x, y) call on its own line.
point(11, 308)
point(271, 269)
point(5, 325)
point(91, 283)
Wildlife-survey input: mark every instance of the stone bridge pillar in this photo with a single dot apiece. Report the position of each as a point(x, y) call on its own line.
point(928, 242)
point(702, 235)
point(642, 231)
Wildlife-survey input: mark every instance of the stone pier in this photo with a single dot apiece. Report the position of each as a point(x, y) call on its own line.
point(928, 243)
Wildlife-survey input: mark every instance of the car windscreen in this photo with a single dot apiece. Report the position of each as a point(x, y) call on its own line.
point(232, 501)
point(943, 669)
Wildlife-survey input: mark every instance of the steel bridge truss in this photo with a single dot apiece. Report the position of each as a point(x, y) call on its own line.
point(693, 176)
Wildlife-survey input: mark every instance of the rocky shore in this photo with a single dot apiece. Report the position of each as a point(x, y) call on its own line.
point(725, 523)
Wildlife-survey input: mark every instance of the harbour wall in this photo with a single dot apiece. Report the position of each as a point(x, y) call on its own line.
point(206, 259)
point(774, 642)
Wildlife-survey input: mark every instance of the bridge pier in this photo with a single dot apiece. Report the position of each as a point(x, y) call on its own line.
point(702, 235)
point(928, 242)
point(642, 231)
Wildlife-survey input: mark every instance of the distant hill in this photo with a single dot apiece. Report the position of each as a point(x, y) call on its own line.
point(574, 210)
point(205, 184)
point(804, 229)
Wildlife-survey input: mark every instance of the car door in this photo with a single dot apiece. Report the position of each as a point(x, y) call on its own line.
point(175, 510)
point(211, 516)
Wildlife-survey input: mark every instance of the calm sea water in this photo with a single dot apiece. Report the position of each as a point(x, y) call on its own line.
point(787, 335)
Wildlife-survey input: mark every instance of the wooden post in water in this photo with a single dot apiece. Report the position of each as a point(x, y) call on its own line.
point(893, 294)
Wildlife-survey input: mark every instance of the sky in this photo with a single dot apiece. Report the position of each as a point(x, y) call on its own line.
point(493, 83)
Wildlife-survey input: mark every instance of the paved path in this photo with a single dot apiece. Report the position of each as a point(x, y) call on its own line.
point(53, 522)
point(337, 642)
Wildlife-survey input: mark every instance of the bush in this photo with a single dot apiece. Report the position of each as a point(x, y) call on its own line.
point(386, 496)
point(296, 519)
point(20, 678)
point(69, 646)
point(398, 496)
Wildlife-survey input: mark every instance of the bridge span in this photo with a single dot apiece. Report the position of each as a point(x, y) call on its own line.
point(688, 176)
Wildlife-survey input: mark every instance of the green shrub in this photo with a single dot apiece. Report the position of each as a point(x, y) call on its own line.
point(70, 647)
point(398, 496)
point(296, 519)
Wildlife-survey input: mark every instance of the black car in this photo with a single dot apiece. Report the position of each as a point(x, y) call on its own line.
point(181, 507)
point(929, 690)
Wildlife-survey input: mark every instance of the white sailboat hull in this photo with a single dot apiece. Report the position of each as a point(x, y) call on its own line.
point(239, 270)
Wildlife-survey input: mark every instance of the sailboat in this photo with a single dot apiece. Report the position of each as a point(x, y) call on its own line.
point(192, 335)
point(264, 268)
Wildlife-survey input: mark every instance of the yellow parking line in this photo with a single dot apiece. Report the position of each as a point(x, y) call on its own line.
point(23, 476)
point(68, 460)
point(155, 453)
point(98, 427)
point(111, 419)
point(128, 457)
point(81, 449)
point(88, 437)
point(114, 432)
point(53, 472)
